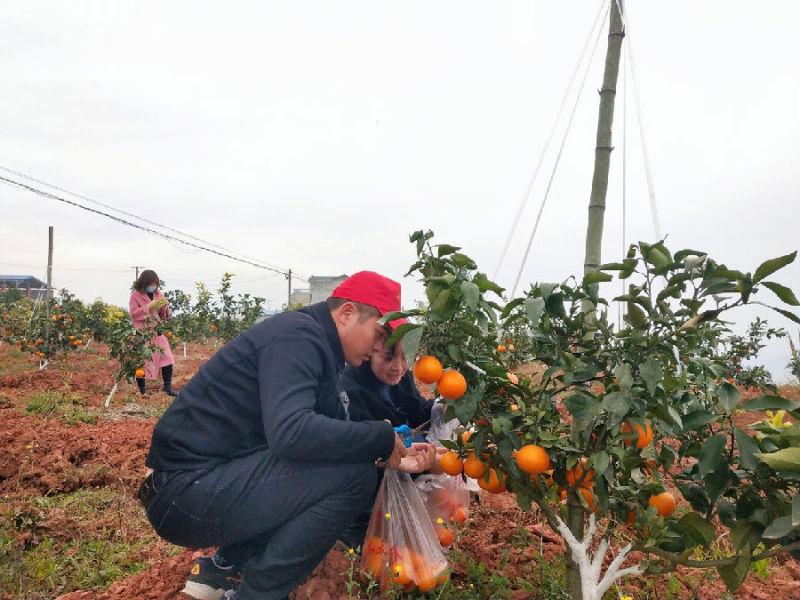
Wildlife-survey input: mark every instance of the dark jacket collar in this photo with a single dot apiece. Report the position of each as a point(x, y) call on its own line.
point(322, 315)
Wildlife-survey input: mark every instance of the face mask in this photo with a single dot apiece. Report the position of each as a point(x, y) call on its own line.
point(150, 289)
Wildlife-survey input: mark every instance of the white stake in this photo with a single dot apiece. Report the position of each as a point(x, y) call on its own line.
point(111, 394)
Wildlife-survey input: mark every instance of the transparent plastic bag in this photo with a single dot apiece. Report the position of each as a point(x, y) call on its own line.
point(447, 502)
point(446, 430)
point(401, 549)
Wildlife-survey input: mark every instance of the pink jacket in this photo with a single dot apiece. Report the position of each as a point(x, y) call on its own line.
point(139, 315)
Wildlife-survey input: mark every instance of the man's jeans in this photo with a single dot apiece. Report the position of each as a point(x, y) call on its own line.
point(273, 518)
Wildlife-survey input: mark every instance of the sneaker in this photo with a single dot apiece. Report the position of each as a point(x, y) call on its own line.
point(207, 581)
point(229, 595)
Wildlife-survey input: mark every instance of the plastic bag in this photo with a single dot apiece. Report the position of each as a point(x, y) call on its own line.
point(446, 430)
point(447, 502)
point(401, 549)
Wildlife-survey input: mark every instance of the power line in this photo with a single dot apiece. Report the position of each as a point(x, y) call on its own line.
point(526, 195)
point(558, 159)
point(140, 227)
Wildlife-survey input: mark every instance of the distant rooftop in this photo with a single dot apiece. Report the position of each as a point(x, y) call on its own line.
point(325, 278)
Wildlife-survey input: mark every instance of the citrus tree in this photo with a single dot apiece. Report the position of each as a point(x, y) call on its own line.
point(131, 348)
point(616, 426)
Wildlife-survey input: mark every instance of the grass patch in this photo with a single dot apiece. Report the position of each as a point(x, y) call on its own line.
point(59, 404)
point(37, 563)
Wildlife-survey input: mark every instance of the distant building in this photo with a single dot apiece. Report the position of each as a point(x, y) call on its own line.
point(29, 285)
point(320, 287)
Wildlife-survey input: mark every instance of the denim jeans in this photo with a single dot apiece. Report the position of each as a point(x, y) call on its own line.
point(274, 519)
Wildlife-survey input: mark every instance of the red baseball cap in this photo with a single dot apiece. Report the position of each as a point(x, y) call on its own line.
point(373, 289)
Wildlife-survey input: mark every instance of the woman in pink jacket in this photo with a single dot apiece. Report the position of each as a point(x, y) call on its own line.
point(147, 307)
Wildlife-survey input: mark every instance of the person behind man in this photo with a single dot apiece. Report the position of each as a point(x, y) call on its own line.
point(251, 456)
point(383, 388)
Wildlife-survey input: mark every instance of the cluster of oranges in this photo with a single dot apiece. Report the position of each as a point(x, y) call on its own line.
point(450, 383)
point(507, 347)
point(401, 567)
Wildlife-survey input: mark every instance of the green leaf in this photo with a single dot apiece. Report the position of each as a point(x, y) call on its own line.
point(696, 530)
point(411, 343)
point(534, 309)
point(733, 575)
point(463, 261)
point(697, 419)
point(711, 454)
point(466, 406)
point(782, 292)
point(617, 405)
point(600, 461)
point(780, 527)
point(636, 316)
point(747, 449)
point(728, 397)
point(770, 266)
point(651, 372)
point(787, 459)
point(596, 277)
point(471, 294)
point(582, 406)
point(399, 333)
point(787, 314)
point(445, 249)
point(767, 402)
point(486, 285)
point(796, 511)
point(695, 495)
point(624, 376)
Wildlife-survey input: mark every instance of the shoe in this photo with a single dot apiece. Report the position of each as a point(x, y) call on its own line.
point(207, 581)
point(170, 391)
point(229, 595)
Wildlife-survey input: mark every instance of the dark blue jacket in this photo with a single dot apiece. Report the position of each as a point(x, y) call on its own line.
point(277, 386)
point(405, 406)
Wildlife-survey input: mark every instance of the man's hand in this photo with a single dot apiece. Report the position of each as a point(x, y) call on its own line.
point(398, 453)
point(420, 458)
point(436, 467)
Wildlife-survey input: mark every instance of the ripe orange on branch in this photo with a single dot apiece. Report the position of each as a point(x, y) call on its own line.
point(451, 463)
point(664, 503)
point(428, 369)
point(636, 433)
point(532, 459)
point(474, 467)
point(576, 473)
point(139, 373)
point(451, 385)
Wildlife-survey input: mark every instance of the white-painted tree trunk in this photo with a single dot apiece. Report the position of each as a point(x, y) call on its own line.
point(111, 394)
point(184, 349)
point(43, 364)
point(593, 586)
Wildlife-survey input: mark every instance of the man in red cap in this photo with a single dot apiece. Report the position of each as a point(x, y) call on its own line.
point(251, 456)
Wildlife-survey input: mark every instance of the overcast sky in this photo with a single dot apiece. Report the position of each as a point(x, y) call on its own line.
point(317, 135)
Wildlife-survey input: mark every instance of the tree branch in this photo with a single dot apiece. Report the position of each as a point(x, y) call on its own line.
point(722, 562)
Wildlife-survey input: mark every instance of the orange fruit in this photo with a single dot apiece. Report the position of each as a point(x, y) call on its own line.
point(465, 436)
point(442, 577)
point(664, 503)
point(428, 369)
point(213, 328)
point(482, 422)
point(451, 385)
point(474, 467)
point(373, 564)
point(426, 583)
point(642, 435)
point(501, 348)
point(492, 483)
point(458, 514)
point(575, 473)
point(400, 575)
point(79, 342)
point(445, 535)
point(589, 497)
point(532, 459)
point(139, 373)
point(451, 463)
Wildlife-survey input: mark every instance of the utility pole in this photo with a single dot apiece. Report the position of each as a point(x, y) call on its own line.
point(136, 268)
point(594, 232)
point(49, 283)
point(289, 297)
point(603, 147)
